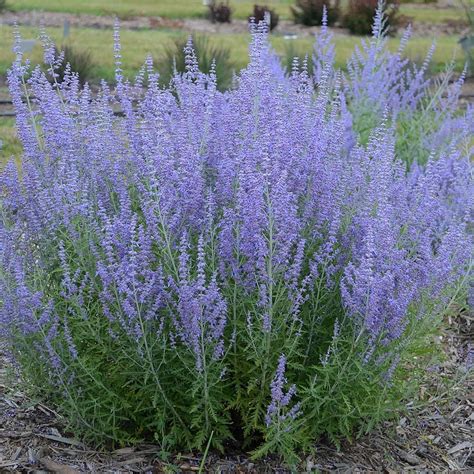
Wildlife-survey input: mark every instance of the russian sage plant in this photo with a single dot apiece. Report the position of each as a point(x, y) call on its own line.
point(256, 267)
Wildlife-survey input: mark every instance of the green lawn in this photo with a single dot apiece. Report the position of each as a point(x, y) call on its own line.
point(195, 8)
point(124, 8)
point(433, 15)
point(136, 44)
point(10, 143)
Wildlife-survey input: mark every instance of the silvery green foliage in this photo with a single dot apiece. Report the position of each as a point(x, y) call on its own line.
point(230, 265)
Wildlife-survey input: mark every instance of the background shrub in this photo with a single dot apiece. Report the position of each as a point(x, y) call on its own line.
point(253, 269)
point(3, 5)
point(80, 62)
point(207, 53)
point(294, 58)
point(360, 15)
point(259, 15)
point(220, 12)
point(310, 12)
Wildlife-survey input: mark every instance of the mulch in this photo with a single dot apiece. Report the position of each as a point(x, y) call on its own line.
point(436, 434)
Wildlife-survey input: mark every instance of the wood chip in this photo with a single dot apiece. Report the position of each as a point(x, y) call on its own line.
point(412, 459)
point(128, 462)
point(17, 453)
point(188, 467)
point(60, 439)
point(8, 464)
point(460, 446)
point(57, 468)
point(15, 434)
point(32, 456)
point(123, 451)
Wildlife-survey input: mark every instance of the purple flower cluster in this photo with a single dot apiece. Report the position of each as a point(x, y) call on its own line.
point(278, 411)
point(209, 229)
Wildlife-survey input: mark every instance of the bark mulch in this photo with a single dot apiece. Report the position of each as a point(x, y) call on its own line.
point(436, 434)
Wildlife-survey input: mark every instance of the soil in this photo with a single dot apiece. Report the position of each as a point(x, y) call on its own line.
point(436, 433)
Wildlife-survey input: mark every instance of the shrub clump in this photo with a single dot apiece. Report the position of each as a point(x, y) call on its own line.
point(253, 268)
point(260, 14)
point(310, 12)
point(360, 13)
point(220, 12)
point(73, 60)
